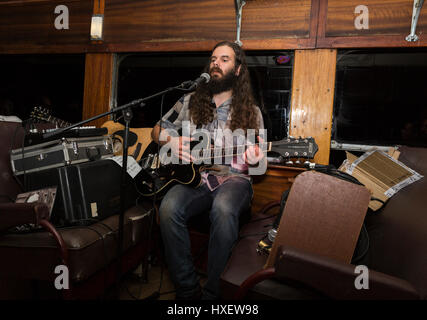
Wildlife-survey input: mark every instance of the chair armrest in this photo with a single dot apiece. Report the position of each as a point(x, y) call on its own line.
point(254, 279)
point(331, 278)
point(15, 214)
point(336, 279)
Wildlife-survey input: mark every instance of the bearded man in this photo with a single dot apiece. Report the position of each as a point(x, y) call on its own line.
point(225, 103)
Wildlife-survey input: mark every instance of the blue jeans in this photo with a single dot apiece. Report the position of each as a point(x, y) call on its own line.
point(224, 204)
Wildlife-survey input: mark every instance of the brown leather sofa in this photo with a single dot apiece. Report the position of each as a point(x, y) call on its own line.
point(90, 252)
point(396, 257)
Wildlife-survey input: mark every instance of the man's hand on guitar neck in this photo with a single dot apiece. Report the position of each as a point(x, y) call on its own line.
point(254, 154)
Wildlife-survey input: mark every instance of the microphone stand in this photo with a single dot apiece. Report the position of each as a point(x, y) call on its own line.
point(126, 109)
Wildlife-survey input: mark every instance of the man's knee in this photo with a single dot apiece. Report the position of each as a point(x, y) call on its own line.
point(169, 212)
point(224, 214)
point(228, 209)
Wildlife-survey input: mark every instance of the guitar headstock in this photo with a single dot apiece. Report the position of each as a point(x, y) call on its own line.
point(44, 114)
point(40, 113)
point(295, 147)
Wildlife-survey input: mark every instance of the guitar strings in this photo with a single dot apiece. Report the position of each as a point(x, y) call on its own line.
point(225, 151)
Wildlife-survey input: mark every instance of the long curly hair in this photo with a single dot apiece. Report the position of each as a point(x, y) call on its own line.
point(243, 105)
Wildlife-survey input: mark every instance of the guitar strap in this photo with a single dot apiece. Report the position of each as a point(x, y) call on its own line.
point(137, 150)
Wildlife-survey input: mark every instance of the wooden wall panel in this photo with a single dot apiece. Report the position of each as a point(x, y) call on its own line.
point(29, 27)
point(197, 25)
point(386, 17)
point(276, 19)
point(156, 25)
point(98, 84)
point(389, 24)
point(312, 98)
point(135, 21)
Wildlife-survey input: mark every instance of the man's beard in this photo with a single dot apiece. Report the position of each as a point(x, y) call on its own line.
point(225, 83)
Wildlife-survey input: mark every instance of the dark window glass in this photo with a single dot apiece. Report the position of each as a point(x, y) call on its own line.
point(381, 98)
point(54, 82)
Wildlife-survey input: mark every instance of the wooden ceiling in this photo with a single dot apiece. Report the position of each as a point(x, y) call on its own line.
point(195, 25)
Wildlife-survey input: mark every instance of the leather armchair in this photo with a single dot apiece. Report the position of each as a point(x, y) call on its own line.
point(396, 258)
point(89, 252)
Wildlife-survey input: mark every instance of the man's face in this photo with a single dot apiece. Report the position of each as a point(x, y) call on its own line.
point(222, 69)
point(222, 62)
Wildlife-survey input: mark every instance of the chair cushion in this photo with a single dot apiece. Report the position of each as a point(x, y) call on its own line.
point(90, 248)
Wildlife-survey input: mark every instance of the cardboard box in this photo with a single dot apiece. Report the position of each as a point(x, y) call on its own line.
point(381, 173)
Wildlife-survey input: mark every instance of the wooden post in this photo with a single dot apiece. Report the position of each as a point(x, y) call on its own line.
point(98, 6)
point(98, 85)
point(98, 79)
point(313, 97)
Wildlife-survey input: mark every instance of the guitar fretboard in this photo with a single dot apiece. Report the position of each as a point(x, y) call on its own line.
point(58, 122)
point(221, 153)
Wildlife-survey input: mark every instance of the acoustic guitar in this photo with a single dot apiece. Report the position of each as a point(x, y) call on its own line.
point(138, 139)
point(156, 178)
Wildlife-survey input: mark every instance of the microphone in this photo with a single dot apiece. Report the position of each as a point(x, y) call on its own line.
point(204, 78)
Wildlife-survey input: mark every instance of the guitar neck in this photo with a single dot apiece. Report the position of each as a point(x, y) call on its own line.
point(220, 153)
point(295, 148)
point(60, 123)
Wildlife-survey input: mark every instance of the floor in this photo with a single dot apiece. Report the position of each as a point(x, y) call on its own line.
point(140, 285)
point(151, 283)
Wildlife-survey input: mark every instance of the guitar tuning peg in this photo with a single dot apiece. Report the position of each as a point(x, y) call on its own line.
point(297, 162)
point(289, 162)
point(309, 164)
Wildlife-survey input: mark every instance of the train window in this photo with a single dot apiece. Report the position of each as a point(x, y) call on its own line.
point(54, 82)
point(141, 75)
point(381, 98)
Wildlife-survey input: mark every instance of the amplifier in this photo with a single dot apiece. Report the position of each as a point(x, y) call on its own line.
point(86, 192)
